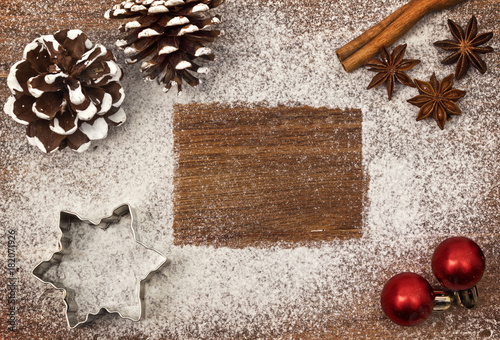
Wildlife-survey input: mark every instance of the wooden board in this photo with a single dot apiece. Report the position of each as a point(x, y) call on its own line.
point(256, 176)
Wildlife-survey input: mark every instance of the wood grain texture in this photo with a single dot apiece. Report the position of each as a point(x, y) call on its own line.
point(257, 176)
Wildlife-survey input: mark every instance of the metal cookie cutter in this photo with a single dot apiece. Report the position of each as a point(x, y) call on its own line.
point(69, 247)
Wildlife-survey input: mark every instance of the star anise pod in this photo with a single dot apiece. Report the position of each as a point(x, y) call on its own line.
point(391, 67)
point(466, 47)
point(438, 99)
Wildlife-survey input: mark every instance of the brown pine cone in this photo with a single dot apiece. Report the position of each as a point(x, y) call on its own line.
point(168, 35)
point(66, 91)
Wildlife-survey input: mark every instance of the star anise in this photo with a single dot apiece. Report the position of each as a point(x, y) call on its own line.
point(466, 47)
point(391, 67)
point(438, 99)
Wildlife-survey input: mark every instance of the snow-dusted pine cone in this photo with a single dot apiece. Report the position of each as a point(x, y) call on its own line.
point(168, 35)
point(66, 91)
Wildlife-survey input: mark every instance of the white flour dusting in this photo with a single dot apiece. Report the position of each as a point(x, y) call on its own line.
point(425, 184)
point(103, 265)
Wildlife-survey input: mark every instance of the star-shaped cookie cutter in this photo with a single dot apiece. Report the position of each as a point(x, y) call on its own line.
point(66, 220)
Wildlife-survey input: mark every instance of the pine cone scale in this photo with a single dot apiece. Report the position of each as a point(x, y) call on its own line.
point(143, 21)
point(117, 94)
point(205, 36)
point(64, 124)
point(18, 77)
point(109, 73)
point(147, 42)
point(75, 91)
point(140, 54)
point(88, 58)
point(168, 45)
point(128, 40)
point(101, 100)
point(75, 47)
point(40, 135)
point(175, 60)
point(173, 3)
point(190, 79)
point(192, 9)
point(36, 57)
point(151, 31)
point(78, 141)
point(51, 46)
point(158, 9)
point(117, 118)
point(38, 85)
point(171, 21)
point(20, 109)
point(47, 105)
point(85, 111)
point(95, 130)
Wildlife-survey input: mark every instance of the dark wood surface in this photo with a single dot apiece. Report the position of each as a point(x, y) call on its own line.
point(21, 21)
point(259, 176)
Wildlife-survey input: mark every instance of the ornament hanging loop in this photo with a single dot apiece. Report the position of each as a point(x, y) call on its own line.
point(466, 298)
point(442, 300)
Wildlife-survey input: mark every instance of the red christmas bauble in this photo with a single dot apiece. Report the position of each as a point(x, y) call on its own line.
point(407, 299)
point(458, 263)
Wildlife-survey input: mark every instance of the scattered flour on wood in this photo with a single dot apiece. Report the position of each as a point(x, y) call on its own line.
point(425, 184)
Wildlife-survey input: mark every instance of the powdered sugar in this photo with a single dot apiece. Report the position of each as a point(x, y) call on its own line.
point(425, 184)
point(123, 264)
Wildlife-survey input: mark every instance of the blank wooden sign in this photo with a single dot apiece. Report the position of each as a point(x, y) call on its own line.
point(260, 176)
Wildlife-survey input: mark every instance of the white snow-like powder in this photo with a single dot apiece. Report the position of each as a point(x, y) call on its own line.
point(104, 268)
point(119, 117)
point(200, 8)
point(188, 29)
point(51, 77)
point(167, 49)
point(183, 65)
point(132, 24)
point(73, 34)
point(148, 32)
point(202, 51)
point(157, 9)
point(424, 184)
point(97, 130)
point(88, 44)
point(76, 95)
point(177, 21)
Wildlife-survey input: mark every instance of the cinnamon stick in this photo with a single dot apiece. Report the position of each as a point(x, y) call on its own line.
point(388, 31)
point(351, 47)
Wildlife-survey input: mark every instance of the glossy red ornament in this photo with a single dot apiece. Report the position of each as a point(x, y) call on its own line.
point(407, 299)
point(458, 263)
